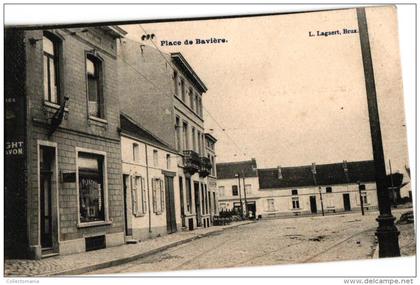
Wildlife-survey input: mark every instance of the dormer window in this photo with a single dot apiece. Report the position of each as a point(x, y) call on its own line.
point(50, 48)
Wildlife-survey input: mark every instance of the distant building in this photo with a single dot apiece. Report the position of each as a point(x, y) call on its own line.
point(300, 190)
point(149, 168)
point(236, 180)
point(210, 147)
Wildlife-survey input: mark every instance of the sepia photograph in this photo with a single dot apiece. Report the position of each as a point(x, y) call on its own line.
point(193, 143)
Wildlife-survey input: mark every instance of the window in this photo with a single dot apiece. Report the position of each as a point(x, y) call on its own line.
point(362, 187)
point(295, 202)
point(95, 99)
point(191, 95)
point(183, 90)
point(222, 190)
point(197, 104)
point(91, 187)
point(158, 196)
point(176, 83)
point(168, 161)
point(199, 142)
point(138, 196)
point(328, 189)
point(185, 134)
point(234, 190)
point(136, 152)
point(270, 205)
point(194, 142)
point(295, 192)
point(155, 158)
point(213, 167)
point(178, 133)
point(51, 68)
point(248, 188)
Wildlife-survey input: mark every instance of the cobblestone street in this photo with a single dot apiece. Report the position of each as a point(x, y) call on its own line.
point(276, 241)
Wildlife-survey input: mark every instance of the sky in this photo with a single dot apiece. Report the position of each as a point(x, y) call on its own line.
point(289, 99)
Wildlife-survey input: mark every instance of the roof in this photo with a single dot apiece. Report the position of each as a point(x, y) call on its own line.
point(182, 63)
point(115, 31)
point(132, 128)
point(210, 137)
point(228, 170)
point(326, 174)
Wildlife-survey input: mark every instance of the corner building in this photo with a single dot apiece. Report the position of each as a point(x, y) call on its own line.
point(63, 177)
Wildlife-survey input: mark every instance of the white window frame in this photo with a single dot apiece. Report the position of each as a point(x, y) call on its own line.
point(271, 207)
point(105, 187)
point(295, 200)
point(136, 152)
point(158, 196)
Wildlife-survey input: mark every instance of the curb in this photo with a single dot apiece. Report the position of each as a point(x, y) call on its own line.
point(79, 271)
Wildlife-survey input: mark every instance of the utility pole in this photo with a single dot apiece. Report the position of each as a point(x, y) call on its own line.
point(361, 199)
point(246, 203)
point(240, 195)
point(387, 233)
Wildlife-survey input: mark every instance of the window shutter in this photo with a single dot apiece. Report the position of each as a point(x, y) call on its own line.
point(138, 195)
point(144, 196)
point(154, 195)
point(162, 197)
point(134, 195)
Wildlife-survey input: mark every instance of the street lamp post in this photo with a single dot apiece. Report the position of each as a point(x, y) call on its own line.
point(246, 203)
point(361, 199)
point(386, 232)
point(240, 195)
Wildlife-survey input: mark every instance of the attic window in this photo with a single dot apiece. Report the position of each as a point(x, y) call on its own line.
point(295, 192)
point(328, 189)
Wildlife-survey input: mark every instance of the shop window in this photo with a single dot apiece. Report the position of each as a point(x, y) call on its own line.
point(51, 68)
point(94, 86)
point(158, 195)
point(138, 196)
point(234, 190)
point(91, 187)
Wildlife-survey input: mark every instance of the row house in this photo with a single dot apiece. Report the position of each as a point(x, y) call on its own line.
point(63, 182)
point(149, 169)
point(314, 189)
point(300, 190)
point(164, 95)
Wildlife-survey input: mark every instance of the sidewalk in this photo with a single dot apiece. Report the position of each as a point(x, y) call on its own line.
point(80, 263)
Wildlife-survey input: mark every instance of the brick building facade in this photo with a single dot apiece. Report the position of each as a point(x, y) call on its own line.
point(63, 177)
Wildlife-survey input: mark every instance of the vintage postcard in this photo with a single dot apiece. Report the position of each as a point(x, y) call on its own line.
point(205, 143)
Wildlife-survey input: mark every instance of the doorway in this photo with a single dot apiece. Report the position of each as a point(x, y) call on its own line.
point(48, 208)
point(126, 181)
point(312, 200)
point(346, 201)
point(197, 203)
point(170, 205)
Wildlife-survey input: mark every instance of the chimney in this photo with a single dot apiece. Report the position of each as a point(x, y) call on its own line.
point(279, 174)
point(345, 166)
point(313, 168)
